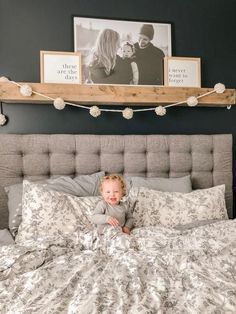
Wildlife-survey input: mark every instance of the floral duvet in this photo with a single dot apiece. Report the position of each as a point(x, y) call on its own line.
point(154, 270)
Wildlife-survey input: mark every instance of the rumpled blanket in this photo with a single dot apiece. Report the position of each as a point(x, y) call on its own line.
point(154, 270)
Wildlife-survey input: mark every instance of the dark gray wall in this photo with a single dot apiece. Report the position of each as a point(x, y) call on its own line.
point(203, 28)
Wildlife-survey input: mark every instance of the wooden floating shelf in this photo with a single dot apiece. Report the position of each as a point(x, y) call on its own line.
point(114, 94)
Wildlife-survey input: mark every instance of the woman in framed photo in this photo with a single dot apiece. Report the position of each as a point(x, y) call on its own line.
point(105, 65)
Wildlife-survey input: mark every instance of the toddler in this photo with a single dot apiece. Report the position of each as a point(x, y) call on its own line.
point(128, 53)
point(111, 210)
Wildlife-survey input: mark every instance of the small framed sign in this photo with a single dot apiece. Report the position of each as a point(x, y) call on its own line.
point(60, 67)
point(182, 72)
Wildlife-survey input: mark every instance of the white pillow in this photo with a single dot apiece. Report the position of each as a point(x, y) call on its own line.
point(172, 208)
point(82, 185)
point(48, 213)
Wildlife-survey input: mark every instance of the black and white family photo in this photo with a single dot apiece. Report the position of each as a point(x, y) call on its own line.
point(122, 52)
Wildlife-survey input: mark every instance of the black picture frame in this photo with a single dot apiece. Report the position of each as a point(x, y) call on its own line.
point(87, 31)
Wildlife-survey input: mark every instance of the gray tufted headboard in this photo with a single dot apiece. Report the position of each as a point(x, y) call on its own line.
point(208, 158)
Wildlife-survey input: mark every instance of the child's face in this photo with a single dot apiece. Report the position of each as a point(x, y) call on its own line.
point(127, 51)
point(112, 191)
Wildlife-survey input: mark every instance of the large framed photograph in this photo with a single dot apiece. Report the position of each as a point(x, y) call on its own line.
point(182, 71)
point(122, 52)
point(60, 67)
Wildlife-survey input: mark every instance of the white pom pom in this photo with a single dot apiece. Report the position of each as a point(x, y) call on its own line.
point(128, 113)
point(192, 101)
point(26, 90)
point(59, 103)
point(3, 119)
point(219, 88)
point(95, 111)
point(4, 79)
point(160, 110)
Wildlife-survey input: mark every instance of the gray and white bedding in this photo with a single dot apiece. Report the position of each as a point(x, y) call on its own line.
point(154, 270)
point(180, 257)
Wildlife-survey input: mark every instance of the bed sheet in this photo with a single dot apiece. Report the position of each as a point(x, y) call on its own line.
point(154, 270)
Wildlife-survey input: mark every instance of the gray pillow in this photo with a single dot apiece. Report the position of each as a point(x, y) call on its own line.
point(14, 194)
point(6, 237)
point(84, 185)
point(182, 184)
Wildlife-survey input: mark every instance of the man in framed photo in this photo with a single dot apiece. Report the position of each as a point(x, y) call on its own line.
point(149, 58)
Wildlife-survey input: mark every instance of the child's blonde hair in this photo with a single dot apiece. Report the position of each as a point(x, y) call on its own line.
point(114, 177)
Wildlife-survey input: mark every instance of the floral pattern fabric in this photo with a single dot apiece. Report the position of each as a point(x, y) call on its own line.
point(154, 270)
point(47, 213)
point(170, 209)
point(61, 265)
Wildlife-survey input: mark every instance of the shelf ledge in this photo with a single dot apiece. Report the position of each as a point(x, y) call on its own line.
point(114, 94)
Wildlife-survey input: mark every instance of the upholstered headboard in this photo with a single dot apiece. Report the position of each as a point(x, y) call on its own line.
point(208, 158)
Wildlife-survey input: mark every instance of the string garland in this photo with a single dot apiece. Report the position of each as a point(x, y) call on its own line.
point(128, 113)
point(3, 118)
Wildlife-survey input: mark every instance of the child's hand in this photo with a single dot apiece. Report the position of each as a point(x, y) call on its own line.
point(113, 222)
point(126, 230)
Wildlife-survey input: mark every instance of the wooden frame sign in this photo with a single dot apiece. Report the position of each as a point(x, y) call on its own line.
point(60, 67)
point(182, 72)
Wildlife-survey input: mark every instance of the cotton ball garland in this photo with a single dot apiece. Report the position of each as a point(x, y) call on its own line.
point(95, 111)
point(219, 88)
point(3, 119)
point(4, 79)
point(160, 110)
point(59, 103)
point(26, 90)
point(128, 113)
point(192, 101)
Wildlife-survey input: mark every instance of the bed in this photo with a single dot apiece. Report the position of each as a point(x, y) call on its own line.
point(179, 258)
